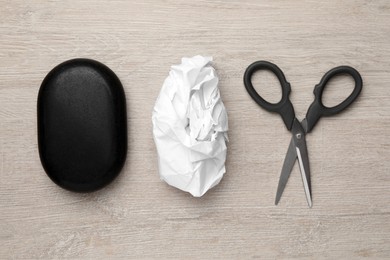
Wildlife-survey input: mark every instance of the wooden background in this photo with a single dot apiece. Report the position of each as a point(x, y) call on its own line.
point(138, 216)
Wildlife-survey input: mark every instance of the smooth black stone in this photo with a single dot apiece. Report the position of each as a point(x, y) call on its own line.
point(82, 131)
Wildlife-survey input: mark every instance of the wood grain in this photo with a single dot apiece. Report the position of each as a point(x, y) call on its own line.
point(138, 216)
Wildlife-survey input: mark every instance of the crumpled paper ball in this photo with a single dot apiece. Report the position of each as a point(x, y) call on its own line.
point(190, 127)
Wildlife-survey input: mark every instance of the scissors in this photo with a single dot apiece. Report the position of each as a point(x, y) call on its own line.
point(297, 149)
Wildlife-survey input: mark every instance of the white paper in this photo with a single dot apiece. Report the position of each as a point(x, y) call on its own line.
point(190, 127)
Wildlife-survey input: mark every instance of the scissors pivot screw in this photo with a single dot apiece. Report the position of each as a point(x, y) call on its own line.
point(299, 135)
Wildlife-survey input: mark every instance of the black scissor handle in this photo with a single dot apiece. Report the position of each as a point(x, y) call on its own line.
point(317, 108)
point(284, 106)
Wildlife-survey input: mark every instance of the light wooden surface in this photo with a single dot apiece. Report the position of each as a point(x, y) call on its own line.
point(138, 216)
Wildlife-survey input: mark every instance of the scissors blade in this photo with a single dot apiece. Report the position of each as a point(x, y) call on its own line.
point(288, 164)
point(303, 160)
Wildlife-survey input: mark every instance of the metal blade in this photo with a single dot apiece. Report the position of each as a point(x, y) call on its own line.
point(303, 160)
point(304, 124)
point(288, 164)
